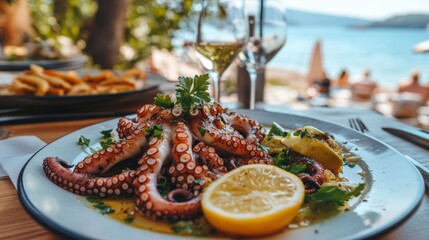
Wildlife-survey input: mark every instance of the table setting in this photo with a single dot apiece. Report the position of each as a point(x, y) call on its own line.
point(179, 160)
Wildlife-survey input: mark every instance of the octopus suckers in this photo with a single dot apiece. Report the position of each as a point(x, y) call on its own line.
point(181, 147)
point(190, 165)
point(144, 197)
point(184, 158)
point(142, 188)
point(151, 151)
point(153, 141)
point(180, 167)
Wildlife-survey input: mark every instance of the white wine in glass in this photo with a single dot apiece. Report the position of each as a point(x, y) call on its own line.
point(220, 37)
point(267, 32)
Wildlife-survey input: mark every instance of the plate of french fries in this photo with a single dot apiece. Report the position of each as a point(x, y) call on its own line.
point(38, 86)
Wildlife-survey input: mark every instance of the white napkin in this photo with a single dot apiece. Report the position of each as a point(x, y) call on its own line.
point(15, 152)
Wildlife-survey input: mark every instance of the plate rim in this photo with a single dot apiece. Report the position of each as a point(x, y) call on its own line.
point(46, 221)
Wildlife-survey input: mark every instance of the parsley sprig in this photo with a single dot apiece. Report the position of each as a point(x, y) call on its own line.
point(331, 197)
point(190, 93)
point(154, 131)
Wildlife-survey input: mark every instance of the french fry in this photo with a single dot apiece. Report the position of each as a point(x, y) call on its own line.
point(22, 88)
point(79, 89)
point(39, 81)
point(70, 77)
point(42, 86)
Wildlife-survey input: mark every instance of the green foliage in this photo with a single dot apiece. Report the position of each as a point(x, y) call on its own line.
point(149, 23)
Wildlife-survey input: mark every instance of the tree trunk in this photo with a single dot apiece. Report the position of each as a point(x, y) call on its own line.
point(15, 23)
point(107, 32)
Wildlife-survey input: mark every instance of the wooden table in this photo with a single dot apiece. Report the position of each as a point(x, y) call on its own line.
point(15, 223)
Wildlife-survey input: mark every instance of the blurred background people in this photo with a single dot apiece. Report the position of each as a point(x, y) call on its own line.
point(363, 87)
point(343, 80)
point(412, 85)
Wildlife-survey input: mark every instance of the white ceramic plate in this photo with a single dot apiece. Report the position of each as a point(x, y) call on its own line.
point(394, 189)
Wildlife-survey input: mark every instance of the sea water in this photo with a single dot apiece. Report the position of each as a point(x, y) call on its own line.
point(386, 52)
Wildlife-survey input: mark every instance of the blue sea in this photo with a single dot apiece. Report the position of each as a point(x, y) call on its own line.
point(386, 52)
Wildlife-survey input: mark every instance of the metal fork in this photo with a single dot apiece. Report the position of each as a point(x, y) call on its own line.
point(4, 133)
point(358, 125)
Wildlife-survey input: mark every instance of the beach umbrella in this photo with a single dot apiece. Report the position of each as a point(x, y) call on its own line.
point(421, 47)
point(315, 71)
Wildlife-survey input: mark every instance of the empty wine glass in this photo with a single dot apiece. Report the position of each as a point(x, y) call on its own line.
point(267, 32)
point(221, 33)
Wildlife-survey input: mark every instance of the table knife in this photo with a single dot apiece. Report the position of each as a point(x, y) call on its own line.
point(414, 135)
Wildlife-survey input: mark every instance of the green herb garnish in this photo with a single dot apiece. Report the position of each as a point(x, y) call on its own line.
point(107, 142)
point(154, 131)
point(104, 209)
point(163, 100)
point(83, 141)
point(329, 197)
point(163, 187)
point(129, 219)
point(191, 92)
point(295, 168)
point(203, 131)
point(262, 148)
point(106, 133)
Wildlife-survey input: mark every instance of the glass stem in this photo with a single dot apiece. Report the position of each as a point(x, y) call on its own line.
point(253, 75)
point(216, 85)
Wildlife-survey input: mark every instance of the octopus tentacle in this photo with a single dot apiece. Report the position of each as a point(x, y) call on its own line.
point(103, 160)
point(184, 169)
point(147, 113)
point(315, 173)
point(126, 126)
point(251, 129)
point(211, 158)
point(149, 201)
point(223, 140)
point(85, 184)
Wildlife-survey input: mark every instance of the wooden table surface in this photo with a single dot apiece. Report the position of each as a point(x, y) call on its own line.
point(15, 223)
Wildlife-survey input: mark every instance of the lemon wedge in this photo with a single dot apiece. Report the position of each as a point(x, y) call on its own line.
point(253, 200)
point(314, 143)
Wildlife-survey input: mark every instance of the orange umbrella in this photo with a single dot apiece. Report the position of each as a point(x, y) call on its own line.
point(315, 72)
point(422, 47)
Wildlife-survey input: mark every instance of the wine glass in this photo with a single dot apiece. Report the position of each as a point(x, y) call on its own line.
point(221, 33)
point(267, 32)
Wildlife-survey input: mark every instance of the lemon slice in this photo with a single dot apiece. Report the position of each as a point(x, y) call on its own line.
point(253, 200)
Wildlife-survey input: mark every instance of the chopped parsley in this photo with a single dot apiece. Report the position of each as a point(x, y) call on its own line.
point(295, 168)
point(83, 141)
point(164, 187)
point(154, 131)
point(100, 205)
point(347, 163)
point(262, 148)
point(106, 133)
point(129, 219)
point(331, 197)
point(302, 133)
point(203, 131)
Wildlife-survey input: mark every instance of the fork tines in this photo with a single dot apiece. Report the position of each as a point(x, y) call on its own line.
point(357, 124)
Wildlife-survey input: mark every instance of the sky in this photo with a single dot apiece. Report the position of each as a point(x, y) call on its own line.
point(370, 9)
